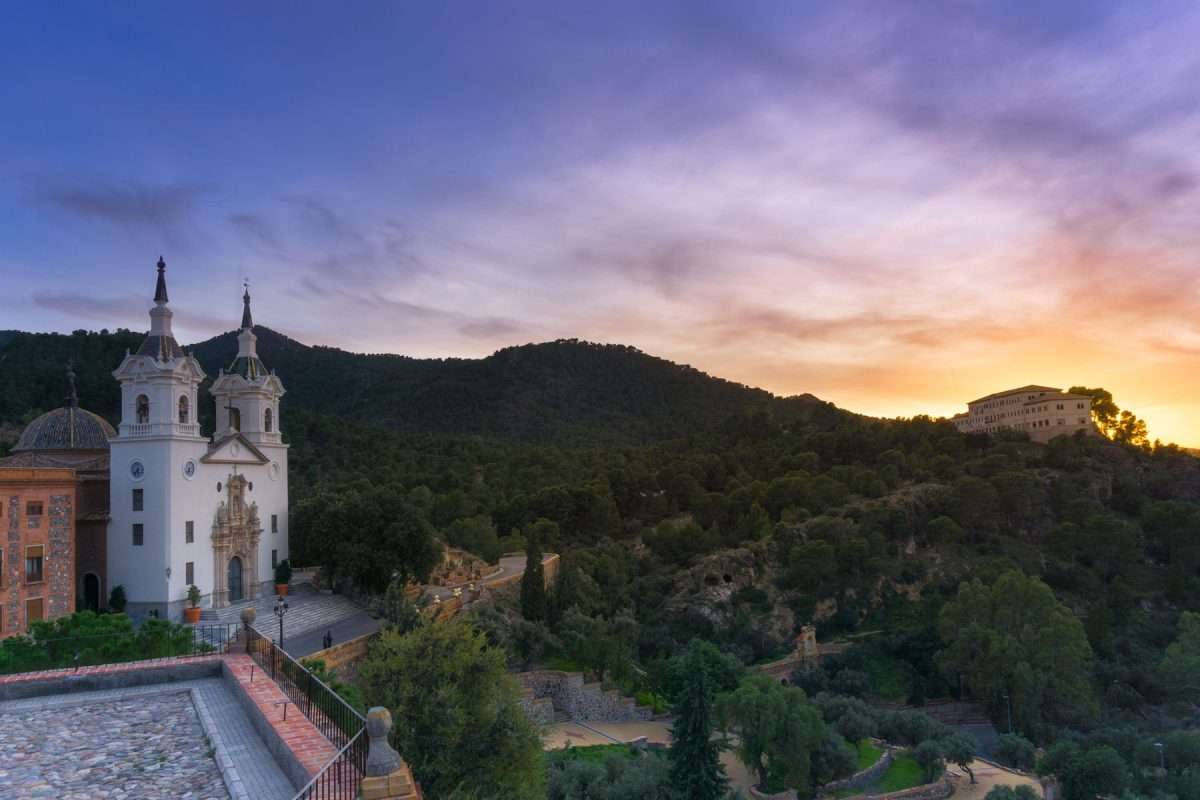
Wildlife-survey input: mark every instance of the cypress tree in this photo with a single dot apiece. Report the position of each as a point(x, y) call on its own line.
point(533, 582)
point(696, 769)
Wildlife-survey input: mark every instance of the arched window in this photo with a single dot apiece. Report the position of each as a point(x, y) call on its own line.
point(268, 421)
point(143, 409)
point(235, 419)
point(183, 410)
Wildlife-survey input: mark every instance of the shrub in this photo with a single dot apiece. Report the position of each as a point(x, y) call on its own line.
point(116, 599)
point(1015, 751)
point(283, 572)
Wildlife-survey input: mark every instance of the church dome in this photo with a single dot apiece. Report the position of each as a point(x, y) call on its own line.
point(67, 428)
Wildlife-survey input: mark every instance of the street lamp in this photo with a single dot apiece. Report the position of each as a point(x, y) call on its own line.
point(1008, 702)
point(1162, 761)
point(281, 608)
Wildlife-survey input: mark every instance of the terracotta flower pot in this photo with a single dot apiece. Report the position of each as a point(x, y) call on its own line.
point(281, 589)
point(191, 614)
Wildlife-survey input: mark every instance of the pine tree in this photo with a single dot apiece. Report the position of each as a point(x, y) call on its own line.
point(696, 769)
point(533, 582)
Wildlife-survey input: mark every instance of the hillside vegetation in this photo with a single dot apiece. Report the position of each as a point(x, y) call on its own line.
point(1050, 581)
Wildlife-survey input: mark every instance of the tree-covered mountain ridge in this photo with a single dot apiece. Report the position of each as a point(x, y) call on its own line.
point(566, 391)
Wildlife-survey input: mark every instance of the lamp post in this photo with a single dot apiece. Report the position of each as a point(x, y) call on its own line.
point(1162, 761)
point(1008, 703)
point(281, 608)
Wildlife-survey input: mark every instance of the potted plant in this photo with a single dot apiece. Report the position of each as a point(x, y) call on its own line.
point(191, 614)
point(283, 574)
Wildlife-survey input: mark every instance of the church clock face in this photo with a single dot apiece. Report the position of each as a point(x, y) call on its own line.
point(137, 470)
point(189, 469)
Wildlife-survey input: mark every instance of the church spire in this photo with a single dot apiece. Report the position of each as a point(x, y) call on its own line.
point(247, 322)
point(160, 290)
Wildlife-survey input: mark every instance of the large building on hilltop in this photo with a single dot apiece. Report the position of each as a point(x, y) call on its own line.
point(1043, 412)
point(188, 508)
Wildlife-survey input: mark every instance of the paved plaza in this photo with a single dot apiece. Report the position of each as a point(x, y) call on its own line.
point(310, 614)
point(189, 740)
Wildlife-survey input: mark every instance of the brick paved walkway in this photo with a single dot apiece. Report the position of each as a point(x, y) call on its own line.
point(118, 730)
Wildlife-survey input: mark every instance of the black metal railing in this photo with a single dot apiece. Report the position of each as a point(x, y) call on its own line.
point(333, 716)
point(341, 777)
point(152, 641)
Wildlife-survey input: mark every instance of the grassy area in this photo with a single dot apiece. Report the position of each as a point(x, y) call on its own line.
point(904, 773)
point(598, 753)
point(868, 754)
point(562, 664)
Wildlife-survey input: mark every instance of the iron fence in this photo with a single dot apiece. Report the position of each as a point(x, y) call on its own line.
point(340, 778)
point(151, 641)
point(337, 720)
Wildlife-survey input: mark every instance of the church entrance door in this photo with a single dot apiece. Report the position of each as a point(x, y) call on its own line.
point(235, 580)
point(91, 592)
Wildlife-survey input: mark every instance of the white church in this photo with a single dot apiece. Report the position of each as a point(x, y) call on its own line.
point(186, 508)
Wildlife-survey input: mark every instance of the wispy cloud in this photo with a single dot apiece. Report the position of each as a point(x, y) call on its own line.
point(166, 209)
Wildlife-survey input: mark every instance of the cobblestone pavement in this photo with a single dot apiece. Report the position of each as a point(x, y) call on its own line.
point(145, 748)
point(46, 745)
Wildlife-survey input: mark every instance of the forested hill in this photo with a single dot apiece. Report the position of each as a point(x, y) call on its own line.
point(564, 392)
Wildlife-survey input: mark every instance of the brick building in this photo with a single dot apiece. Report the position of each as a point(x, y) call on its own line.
point(73, 441)
point(37, 562)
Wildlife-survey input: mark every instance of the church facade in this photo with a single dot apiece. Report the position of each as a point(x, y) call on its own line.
point(185, 508)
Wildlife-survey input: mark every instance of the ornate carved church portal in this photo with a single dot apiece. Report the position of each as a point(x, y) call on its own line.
point(235, 535)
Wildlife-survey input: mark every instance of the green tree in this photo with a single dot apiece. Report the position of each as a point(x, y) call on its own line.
point(1014, 636)
point(370, 534)
point(930, 756)
point(1104, 410)
point(1099, 771)
point(696, 769)
point(959, 748)
point(1016, 751)
point(457, 716)
point(778, 731)
point(1180, 666)
point(533, 581)
point(476, 535)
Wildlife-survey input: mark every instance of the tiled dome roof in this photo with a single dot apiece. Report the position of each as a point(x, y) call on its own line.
point(68, 428)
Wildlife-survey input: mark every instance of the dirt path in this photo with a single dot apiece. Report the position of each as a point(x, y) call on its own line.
point(987, 776)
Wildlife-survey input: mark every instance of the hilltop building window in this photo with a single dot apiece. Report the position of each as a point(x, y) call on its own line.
point(33, 563)
point(267, 421)
point(183, 410)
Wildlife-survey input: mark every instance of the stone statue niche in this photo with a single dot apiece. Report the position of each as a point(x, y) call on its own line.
point(235, 534)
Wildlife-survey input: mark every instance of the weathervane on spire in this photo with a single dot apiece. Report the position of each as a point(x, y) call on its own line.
point(247, 322)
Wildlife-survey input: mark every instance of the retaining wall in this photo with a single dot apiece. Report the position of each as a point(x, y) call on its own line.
point(863, 779)
point(584, 702)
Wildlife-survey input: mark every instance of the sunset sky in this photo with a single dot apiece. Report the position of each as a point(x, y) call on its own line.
point(896, 206)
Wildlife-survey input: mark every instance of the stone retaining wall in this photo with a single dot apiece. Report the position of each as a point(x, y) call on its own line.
point(584, 702)
point(344, 658)
point(863, 779)
point(938, 790)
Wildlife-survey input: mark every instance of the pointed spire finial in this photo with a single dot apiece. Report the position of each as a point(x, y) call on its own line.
point(247, 322)
point(160, 290)
point(72, 396)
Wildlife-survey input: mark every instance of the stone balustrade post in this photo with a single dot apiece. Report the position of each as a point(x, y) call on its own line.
point(387, 776)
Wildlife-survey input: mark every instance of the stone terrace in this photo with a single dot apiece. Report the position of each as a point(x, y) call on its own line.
point(204, 728)
point(144, 747)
